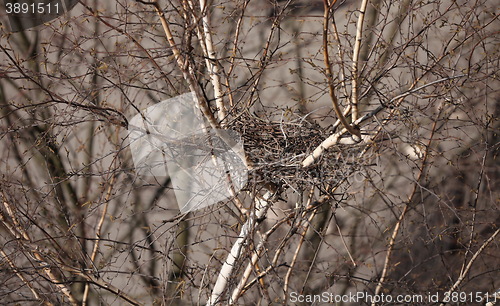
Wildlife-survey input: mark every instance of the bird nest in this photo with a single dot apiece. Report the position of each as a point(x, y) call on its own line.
point(277, 149)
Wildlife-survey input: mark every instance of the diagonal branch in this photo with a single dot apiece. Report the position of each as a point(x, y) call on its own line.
point(471, 262)
point(261, 207)
point(402, 216)
point(21, 276)
point(98, 235)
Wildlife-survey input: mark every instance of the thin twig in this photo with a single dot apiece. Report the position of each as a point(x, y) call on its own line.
point(471, 262)
point(38, 256)
point(299, 246)
point(23, 279)
point(474, 209)
point(392, 242)
point(395, 232)
point(266, 57)
point(341, 61)
point(98, 235)
point(107, 286)
point(234, 52)
point(343, 241)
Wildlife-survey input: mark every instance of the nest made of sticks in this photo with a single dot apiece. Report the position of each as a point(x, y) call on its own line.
point(277, 149)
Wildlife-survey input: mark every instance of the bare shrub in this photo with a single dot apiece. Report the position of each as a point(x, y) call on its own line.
point(371, 137)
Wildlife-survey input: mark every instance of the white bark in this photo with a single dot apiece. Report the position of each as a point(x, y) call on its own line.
point(261, 206)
